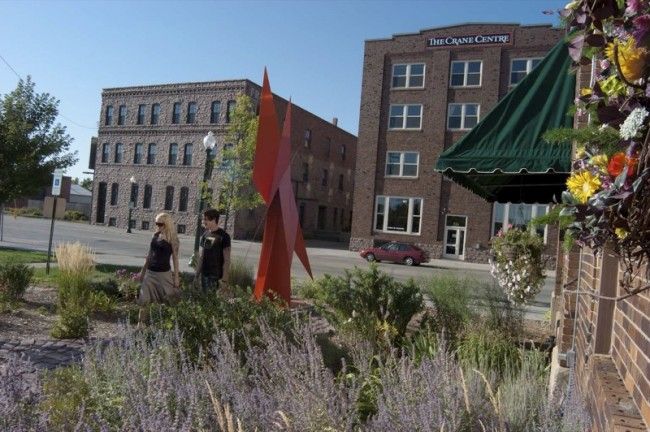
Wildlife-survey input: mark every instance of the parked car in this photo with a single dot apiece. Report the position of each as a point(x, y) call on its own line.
point(397, 252)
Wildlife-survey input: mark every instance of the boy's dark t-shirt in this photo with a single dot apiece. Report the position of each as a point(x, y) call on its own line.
point(213, 244)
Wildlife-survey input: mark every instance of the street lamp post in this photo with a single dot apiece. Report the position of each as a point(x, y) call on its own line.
point(131, 205)
point(209, 142)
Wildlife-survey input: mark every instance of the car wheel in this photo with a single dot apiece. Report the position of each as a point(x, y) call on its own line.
point(370, 257)
point(409, 261)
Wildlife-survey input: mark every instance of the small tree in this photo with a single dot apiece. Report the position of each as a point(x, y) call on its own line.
point(236, 165)
point(33, 146)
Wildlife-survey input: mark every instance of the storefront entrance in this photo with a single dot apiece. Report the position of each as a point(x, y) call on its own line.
point(455, 227)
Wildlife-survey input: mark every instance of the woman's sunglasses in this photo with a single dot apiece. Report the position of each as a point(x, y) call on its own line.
point(160, 224)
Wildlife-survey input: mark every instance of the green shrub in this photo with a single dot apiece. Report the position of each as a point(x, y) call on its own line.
point(489, 350)
point(65, 391)
point(74, 306)
point(74, 215)
point(369, 300)
point(501, 314)
point(14, 281)
point(26, 211)
point(104, 283)
point(451, 301)
point(101, 302)
point(241, 274)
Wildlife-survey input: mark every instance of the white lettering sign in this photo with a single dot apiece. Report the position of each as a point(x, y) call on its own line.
point(56, 182)
point(469, 40)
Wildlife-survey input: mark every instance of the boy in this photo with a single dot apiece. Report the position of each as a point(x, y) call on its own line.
point(213, 265)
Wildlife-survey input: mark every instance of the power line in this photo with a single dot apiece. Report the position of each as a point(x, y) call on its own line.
point(61, 114)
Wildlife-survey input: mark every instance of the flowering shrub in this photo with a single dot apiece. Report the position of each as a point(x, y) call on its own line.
point(128, 283)
point(609, 192)
point(517, 263)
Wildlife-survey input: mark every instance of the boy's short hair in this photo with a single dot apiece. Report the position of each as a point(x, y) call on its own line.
point(211, 214)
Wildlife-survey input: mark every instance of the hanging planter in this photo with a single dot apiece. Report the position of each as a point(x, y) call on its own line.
point(517, 263)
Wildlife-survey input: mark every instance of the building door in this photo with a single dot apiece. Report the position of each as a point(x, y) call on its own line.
point(101, 203)
point(322, 215)
point(454, 246)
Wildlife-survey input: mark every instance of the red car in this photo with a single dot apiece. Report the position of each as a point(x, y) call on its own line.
point(396, 252)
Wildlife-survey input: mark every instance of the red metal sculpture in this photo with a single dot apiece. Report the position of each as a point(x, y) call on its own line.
point(272, 179)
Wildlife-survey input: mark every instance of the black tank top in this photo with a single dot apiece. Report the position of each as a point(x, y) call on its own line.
point(159, 253)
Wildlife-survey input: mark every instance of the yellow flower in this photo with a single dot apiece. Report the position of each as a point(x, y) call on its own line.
point(632, 60)
point(582, 185)
point(585, 91)
point(621, 233)
point(612, 86)
point(580, 151)
point(600, 161)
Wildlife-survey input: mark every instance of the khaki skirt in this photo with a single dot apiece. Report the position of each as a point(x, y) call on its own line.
point(158, 287)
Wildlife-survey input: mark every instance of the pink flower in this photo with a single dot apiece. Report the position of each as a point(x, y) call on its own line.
point(633, 7)
point(641, 29)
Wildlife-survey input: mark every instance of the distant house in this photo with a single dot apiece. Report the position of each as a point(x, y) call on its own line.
point(77, 197)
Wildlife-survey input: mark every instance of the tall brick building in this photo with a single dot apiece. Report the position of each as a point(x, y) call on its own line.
point(154, 135)
point(422, 92)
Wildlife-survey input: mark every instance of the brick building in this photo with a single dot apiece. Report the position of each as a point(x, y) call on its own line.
point(154, 134)
point(421, 93)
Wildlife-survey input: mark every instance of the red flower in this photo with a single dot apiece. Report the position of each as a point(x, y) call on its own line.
point(619, 161)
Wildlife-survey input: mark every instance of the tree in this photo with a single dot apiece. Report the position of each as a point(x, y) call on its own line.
point(236, 164)
point(87, 183)
point(32, 146)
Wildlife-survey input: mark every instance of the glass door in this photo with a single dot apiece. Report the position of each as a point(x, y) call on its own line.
point(454, 246)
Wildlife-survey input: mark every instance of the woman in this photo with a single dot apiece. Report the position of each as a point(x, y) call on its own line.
point(158, 283)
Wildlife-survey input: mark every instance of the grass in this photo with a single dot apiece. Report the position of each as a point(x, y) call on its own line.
point(21, 256)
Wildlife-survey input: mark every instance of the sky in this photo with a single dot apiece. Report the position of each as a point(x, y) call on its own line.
point(313, 49)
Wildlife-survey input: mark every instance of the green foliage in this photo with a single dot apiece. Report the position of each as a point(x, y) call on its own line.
point(65, 391)
point(236, 165)
point(26, 212)
point(451, 300)
point(15, 256)
point(424, 344)
point(33, 146)
point(593, 138)
point(553, 217)
point(74, 306)
point(502, 315)
point(14, 281)
point(101, 302)
point(241, 274)
point(104, 283)
point(489, 350)
point(369, 300)
point(74, 215)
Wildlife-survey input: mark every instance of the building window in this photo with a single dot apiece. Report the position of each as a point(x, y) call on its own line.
point(322, 217)
point(187, 155)
point(155, 113)
point(112, 222)
point(215, 111)
point(466, 73)
point(121, 119)
point(180, 229)
point(230, 110)
point(408, 75)
point(106, 151)
point(342, 151)
point(146, 202)
point(173, 154)
point(402, 164)
point(405, 117)
point(301, 214)
point(169, 197)
point(509, 215)
point(109, 115)
point(324, 179)
point(519, 68)
point(151, 154)
point(134, 194)
point(182, 200)
point(328, 147)
point(141, 110)
point(176, 113)
point(139, 152)
point(398, 214)
point(119, 152)
point(191, 112)
point(341, 182)
point(132, 223)
point(463, 116)
point(335, 217)
point(114, 193)
point(305, 172)
point(145, 225)
point(307, 137)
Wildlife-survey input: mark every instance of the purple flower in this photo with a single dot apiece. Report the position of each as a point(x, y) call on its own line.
point(641, 29)
point(633, 7)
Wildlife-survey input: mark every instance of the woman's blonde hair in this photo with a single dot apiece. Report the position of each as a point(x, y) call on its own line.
point(168, 230)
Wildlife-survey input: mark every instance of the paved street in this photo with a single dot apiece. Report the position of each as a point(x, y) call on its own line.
point(115, 246)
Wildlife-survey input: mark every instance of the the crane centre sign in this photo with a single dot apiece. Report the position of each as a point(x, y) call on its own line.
point(491, 39)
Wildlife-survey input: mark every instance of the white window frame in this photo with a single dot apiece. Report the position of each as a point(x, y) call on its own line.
point(529, 67)
point(535, 211)
point(465, 73)
point(463, 115)
point(409, 75)
point(404, 112)
point(409, 223)
point(401, 164)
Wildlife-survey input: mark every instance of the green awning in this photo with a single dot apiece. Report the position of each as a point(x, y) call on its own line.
point(504, 158)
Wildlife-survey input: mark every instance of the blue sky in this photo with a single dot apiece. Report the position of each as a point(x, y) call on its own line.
point(312, 49)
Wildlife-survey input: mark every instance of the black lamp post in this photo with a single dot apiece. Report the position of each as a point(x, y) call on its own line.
point(131, 205)
point(209, 142)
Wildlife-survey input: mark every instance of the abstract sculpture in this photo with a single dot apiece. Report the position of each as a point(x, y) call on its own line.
point(272, 179)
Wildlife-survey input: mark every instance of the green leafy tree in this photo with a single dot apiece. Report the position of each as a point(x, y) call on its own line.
point(32, 146)
point(236, 164)
point(87, 183)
